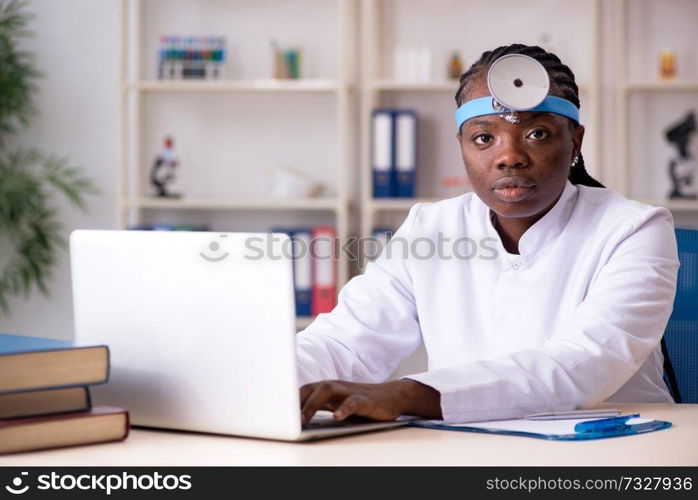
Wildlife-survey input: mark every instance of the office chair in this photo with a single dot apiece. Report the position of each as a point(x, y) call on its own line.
point(680, 341)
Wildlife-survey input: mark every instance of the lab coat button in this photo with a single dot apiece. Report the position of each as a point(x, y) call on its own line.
point(515, 266)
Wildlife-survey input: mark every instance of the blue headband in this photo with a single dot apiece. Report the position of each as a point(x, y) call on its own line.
point(483, 106)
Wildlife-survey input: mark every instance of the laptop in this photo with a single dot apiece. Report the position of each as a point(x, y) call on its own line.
point(200, 328)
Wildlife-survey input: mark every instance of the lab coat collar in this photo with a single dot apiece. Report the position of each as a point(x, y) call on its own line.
point(547, 228)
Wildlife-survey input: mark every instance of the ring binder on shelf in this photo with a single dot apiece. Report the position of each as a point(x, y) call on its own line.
point(324, 270)
point(405, 152)
point(303, 270)
point(383, 153)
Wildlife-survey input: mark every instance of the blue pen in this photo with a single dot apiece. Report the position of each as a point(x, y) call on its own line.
point(605, 424)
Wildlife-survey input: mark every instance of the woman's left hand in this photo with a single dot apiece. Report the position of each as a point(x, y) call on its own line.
point(385, 401)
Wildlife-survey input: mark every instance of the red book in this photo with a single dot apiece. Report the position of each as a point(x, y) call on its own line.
point(324, 270)
point(98, 425)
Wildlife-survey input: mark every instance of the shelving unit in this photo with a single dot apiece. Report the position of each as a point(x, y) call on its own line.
point(329, 100)
point(669, 86)
point(326, 204)
point(673, 205)
point(397, 203)
point(262, 85)
point(444, 86)
point(638, 85)
point(379, 90)
point(140, 91)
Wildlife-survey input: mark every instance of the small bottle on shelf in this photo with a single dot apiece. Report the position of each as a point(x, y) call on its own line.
point(667, 65)
point(455, 66)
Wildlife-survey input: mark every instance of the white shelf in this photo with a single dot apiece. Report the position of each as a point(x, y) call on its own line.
point(407, 203)
point(661, 86)
point(235, 204)
point(436, 86)
point(398, 204)
point(262, 85)
point(441, 86)
point(676, 205)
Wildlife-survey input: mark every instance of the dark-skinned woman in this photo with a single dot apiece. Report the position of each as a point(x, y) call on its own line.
point(540, 290)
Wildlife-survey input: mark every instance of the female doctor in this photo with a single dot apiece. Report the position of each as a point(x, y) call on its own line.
point(562, 305)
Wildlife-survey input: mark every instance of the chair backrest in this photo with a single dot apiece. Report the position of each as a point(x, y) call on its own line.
point(681, 335)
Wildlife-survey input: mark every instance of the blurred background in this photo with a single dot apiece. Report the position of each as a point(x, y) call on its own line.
point(258, 115)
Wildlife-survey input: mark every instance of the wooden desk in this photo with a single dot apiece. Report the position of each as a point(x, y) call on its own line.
point(404, 446)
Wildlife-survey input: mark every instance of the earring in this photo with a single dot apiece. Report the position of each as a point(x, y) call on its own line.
point(575, 160)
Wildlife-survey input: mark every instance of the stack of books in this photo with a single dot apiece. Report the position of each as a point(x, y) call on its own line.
point(45, 399)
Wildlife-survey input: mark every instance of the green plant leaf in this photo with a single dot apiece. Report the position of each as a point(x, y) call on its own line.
point(29, 179)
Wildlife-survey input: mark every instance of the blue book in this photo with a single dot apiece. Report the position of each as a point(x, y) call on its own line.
point(383, 153)
point(33, 363)
point(405, 124)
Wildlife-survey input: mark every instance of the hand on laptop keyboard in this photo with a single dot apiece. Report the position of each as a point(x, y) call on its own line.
point(380, 402)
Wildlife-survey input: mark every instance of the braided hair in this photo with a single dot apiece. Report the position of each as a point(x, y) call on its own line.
point(562, 85)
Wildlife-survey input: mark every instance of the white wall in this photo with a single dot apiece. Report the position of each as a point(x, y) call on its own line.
point(77, 48)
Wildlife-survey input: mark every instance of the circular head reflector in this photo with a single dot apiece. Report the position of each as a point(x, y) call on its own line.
point(518, 82)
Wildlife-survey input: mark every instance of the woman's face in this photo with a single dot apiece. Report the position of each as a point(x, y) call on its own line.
point(534, 154)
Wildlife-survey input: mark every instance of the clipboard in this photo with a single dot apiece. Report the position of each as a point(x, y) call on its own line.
point(556, 430)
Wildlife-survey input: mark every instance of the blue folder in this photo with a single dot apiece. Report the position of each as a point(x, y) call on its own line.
point(302, 279)
point(302, 270)
point(405, 152)
point(383, 153)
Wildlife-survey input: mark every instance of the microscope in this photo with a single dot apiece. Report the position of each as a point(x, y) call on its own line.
point(682, 167)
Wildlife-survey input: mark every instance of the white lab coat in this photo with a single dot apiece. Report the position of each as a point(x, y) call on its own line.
point(575, 319)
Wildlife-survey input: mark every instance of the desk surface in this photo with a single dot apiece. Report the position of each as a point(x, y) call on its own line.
point(403, 446)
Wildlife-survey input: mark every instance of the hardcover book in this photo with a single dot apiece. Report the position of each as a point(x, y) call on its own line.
point(31, 363)
point(98, 425)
